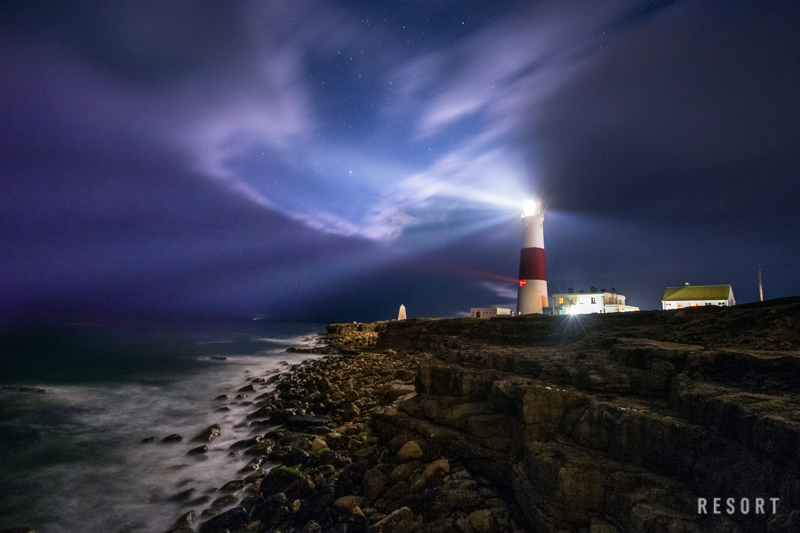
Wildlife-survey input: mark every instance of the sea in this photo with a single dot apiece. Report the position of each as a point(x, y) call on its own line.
point(76, 402)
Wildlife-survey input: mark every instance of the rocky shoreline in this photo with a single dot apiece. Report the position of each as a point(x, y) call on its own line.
point(596, 424)
point(323, 466)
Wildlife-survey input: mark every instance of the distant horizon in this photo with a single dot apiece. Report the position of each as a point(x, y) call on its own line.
point(187, 321)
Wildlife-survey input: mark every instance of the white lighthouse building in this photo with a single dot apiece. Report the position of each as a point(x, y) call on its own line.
point(532, 295)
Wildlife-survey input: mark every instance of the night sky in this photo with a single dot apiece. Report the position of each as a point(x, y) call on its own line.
point(328, 161)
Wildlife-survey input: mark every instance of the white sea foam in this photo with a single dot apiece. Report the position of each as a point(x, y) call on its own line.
point(98, 476)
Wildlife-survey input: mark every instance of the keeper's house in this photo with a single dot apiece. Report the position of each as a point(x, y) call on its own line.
point(697, 295)
point(488, 312)
point(592, 302)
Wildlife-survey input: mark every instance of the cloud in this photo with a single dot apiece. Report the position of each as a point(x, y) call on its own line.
point(506, 291)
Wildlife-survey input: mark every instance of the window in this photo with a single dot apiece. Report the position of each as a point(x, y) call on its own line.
point(593, 300)
point(561, 300)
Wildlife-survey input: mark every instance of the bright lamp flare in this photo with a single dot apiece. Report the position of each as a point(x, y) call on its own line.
point(531, 207)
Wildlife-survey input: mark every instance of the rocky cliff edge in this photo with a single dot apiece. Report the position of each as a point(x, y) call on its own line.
point(619, 422)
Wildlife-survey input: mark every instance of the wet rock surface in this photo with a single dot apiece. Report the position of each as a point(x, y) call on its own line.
point(321, 464)
point(614, 423)
point(593, 424)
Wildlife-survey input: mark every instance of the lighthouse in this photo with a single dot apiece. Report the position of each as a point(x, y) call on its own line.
point(532, 294)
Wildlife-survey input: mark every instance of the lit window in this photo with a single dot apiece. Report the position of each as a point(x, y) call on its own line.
point(561, 300)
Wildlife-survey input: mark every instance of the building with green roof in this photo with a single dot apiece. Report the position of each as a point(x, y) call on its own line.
point(697, 295)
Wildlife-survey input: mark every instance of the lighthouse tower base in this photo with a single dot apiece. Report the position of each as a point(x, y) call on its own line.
point(532, 297)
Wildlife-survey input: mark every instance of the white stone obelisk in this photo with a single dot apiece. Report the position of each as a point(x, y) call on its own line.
point(532, 294)
point(402, 314)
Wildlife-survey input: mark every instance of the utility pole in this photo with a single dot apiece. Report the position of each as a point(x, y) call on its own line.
point(760, 286)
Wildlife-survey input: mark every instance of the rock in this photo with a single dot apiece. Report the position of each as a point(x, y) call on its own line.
point(253, 465)
point(222, 397)
point(197, 451)
point(312, 527)
point(262, 448)
point(265, 412)
point(200, 500)
point(324, 385)
point(172, 438)
point(461, 498)
point(232, 486)
point(290, 481)
point(148, 440)
point(279, 479)
point(231, 520)
point(211, 512)
point(306, 421)
point(482, 521)
point(400, 473)
point(442, 525)
point(352, 396)
point(246, 443)
point(295, 457)
point(281, 416)
point(247, 388)
point(224, 501)
point(373, 483)
point(348, 502)
point(17, 529)
point(357, 519)
point(351, 412)
point(395, 492)
point(463, 484)
point(218, 358)
point(317, 445)
point(598, 525)
point(398, 390)
point(272, 510)
point(313, 506)
point(181, 496)
point(251, 502)
point(186, 520)
point(420, 503)
point(208, 434)
point(400, 521)
point(411, 451)
point(435, 472)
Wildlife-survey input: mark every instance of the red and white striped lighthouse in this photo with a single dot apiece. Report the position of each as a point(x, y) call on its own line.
point(532, 295)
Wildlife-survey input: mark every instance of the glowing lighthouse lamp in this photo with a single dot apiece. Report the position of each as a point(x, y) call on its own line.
point(532, 294)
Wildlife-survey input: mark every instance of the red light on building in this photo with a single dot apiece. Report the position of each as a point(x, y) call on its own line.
point(522, 283)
